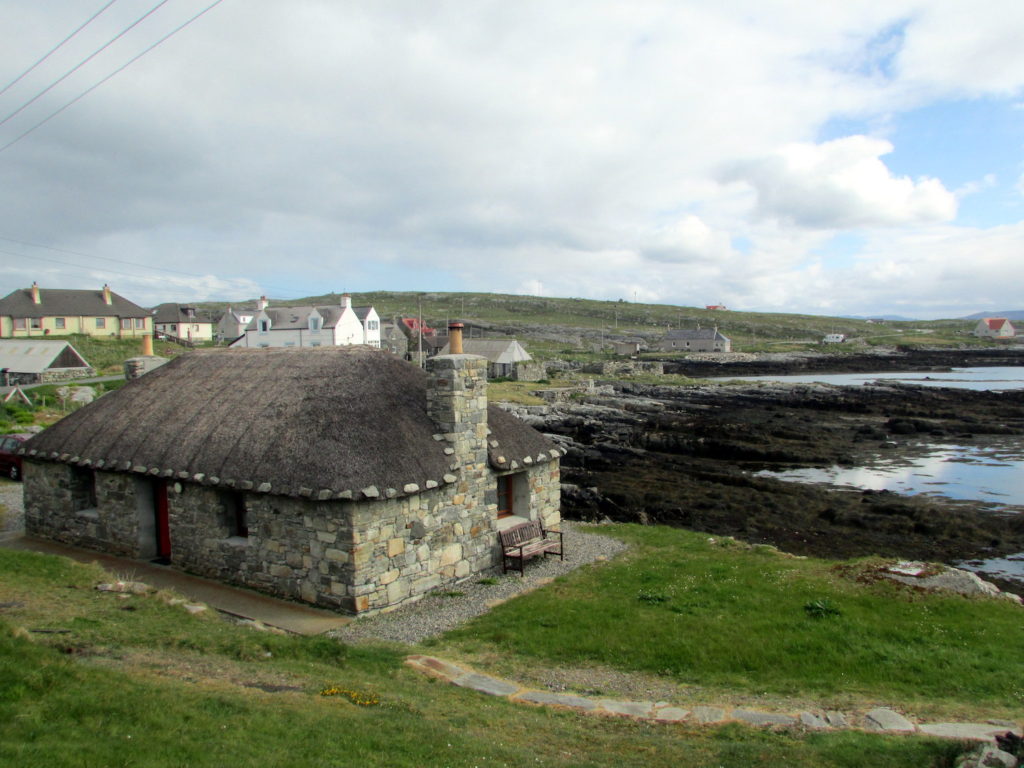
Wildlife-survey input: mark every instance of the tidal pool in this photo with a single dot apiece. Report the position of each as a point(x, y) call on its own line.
point(990, 474)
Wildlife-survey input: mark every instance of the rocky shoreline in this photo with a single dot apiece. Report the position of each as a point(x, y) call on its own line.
point(686, 456)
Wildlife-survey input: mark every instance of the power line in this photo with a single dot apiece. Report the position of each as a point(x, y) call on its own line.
point(91, 256)
point(56, 48)
point(86, 60)
point(117, 71)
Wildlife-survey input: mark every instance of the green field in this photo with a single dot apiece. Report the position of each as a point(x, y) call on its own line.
point(91, 678)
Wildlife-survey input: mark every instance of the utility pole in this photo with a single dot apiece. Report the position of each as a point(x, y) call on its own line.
point(419, 330)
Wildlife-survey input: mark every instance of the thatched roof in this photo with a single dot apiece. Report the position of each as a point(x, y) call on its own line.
point(321, 422)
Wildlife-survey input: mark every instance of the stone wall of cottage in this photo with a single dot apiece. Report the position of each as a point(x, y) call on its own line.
point(58, 506)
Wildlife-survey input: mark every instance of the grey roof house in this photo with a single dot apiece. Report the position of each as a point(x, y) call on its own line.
point(35, 361)
point(35, 311)
point(182, 322)
point(698, 340)
point(340, 476)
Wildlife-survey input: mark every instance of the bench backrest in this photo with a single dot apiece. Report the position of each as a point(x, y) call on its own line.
point(522, 533)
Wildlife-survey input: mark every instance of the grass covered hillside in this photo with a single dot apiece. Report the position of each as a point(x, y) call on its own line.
point(100, 678)
point(559, 325)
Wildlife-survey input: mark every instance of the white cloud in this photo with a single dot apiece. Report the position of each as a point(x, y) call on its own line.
point(839, 184)
point(574, 148)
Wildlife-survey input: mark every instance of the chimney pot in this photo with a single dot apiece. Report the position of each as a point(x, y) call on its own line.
point(455, 338)
point(36, 299)
point(147, 345)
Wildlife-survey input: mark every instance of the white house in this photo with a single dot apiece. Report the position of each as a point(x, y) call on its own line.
point(994, 328)
point(323, 326)
point(233, 322)
point(182, 322)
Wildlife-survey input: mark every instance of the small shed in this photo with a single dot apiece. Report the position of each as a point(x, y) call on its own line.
point(505, 358)
point(33, 361)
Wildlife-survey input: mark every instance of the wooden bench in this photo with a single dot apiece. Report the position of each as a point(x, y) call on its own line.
point(523, 541)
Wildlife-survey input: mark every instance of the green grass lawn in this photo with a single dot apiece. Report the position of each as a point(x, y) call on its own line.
point(741, 621)
point(91, 678)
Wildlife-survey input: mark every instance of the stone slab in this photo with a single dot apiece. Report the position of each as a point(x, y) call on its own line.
point(969, 731)
point(558, 700)
point(836, 719)
point(627, 708)
point(671, 714)
point(708, 714)
point(486, 684)
point(754, 717)
point(882, 719)
point(811, 720)
point(436, 667)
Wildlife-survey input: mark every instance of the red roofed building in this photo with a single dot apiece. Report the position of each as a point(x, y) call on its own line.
point(994, 328)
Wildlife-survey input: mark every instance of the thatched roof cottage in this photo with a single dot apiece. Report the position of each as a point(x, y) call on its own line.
point(341, 476)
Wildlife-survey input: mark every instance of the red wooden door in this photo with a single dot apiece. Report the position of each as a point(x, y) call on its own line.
point(163, 527)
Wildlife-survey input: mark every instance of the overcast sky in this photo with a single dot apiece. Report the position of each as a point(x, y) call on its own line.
point(854, 157)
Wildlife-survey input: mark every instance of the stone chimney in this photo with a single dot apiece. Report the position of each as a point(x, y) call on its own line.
point(457, 404)
point(36, 298)
point(455, 338)
point(106, 295)
point(346, 301)
point(261, 304)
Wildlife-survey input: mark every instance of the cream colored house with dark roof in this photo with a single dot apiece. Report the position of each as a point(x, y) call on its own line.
point(340, 476)
point(35, 311)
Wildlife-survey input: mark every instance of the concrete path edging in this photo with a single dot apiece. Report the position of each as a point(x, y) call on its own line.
point(881, 719)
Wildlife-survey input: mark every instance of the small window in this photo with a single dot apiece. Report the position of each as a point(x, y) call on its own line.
point(314, 343)
point(314, 324)
point(35, 323)
point(126, 323)
point(20, 323)
point(236, 516)
point(59, 322)
point(373, 325)
point(83, 489)
point(289, 343)
point(140, 322)
point(101, 322)
point(264, 326)
point(174, 327)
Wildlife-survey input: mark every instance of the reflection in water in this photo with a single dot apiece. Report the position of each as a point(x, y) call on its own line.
point(985, 473)
point(990, 474)
point(995, 378)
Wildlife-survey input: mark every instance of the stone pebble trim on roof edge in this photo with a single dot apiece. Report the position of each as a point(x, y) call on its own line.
point(321, 494)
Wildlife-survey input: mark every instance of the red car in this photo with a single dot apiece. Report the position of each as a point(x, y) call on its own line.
point(10, 461)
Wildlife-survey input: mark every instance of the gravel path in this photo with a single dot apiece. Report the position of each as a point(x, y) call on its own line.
point(443, 610)
point(12, 509)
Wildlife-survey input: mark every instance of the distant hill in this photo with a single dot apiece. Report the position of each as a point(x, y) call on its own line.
point(1011, 314)
point(894, 318)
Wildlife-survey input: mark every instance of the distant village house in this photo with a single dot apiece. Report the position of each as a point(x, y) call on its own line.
point(994, 328)
point(341, 476)
point(35, 311)
point(182, 322)
point(323, 326)
point(699, 340)
point(833, 338)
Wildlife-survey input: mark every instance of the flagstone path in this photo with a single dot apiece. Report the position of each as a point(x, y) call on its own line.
point(879, 719)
